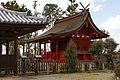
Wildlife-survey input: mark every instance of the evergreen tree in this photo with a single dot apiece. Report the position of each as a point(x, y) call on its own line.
point(72, 7)
point(13, 5)
point(97, 47)
point(110, 45)
point(100, 47)
point(52, 12)
point(71, 57)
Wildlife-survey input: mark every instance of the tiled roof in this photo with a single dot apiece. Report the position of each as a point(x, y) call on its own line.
point(8, 16)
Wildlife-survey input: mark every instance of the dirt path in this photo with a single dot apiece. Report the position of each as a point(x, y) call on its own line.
point(75, 76)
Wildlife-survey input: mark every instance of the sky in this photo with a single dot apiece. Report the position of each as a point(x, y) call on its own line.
point(105, 13)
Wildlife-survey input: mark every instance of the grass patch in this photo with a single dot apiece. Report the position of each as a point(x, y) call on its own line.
point(101, 71)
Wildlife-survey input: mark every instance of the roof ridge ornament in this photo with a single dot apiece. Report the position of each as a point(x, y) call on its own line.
point(84, 8)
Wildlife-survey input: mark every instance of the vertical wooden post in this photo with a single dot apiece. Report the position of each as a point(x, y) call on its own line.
point(7, 48)
point(57, 56)
point(0, 48)
point(45, 51)
point(15, 54)
point(35, 48)
point(39, 48)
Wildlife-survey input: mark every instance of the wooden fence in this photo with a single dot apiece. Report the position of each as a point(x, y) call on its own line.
point(37, 66)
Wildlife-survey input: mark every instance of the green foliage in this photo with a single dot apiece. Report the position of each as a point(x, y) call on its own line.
point(97, 47)
point(52, 12)
point(99, 61)
point(21, 40)
point(117, 70)
point(72, 8)
point(110, 45)
point(104, 51)
point(71, 57)
point(97, 64)
point(108, 57)
point(13, 5)
point(101, 47)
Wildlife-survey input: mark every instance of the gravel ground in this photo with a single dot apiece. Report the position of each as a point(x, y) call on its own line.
point(74, 76)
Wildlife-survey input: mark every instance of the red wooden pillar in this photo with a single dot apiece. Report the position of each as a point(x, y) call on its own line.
point(51, 50)
point(39, 48)
point(57, 56)
point(44, 51)
point(7, 48)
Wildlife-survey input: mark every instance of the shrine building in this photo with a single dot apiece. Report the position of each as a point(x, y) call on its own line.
point(79, 27)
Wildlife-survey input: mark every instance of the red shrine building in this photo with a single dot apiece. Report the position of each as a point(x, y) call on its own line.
point(79, 27)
